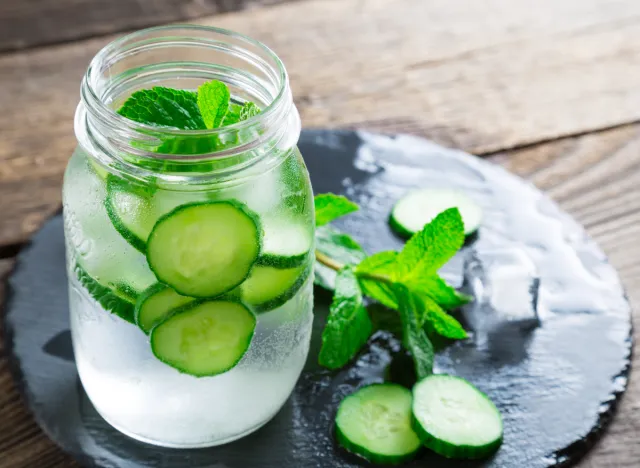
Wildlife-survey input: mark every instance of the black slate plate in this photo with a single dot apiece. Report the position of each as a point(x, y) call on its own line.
point(556, 387)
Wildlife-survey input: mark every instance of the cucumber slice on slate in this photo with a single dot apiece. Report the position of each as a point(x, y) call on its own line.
point(455, 419)
point(417, 208)
point(205, 249)
point(375, 423)
point(204, 339)
point(155, 304)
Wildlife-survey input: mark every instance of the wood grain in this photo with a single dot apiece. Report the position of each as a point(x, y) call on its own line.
point(40, 22)
point(515, 78)
point(570, 170)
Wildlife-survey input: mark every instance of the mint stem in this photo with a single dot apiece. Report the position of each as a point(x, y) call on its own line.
point(337, 266)
point(328, 261)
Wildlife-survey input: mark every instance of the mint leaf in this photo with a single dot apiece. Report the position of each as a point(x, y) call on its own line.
point(164, 106)
point(382, 264)
point(233, 114)
point(238, 113)
point(414, 336)
point(249, 109)
point(428, 250)
point(433, 291)
point(348, 326)
point(338, 246)
point(438, 290)
point(213, 102)
point(189, 145)
point(330, 206)
point(440, 321)
point(384, 318)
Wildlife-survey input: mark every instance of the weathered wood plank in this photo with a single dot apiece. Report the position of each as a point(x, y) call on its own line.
point(32, 23)
point(516, 78)
point(482, 76)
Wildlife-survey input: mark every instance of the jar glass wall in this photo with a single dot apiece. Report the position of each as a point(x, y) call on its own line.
point(119, 188)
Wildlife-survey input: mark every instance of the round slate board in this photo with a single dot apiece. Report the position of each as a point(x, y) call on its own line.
point(556, 386)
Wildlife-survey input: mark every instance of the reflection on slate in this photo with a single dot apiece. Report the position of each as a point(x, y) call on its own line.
point(556, 385)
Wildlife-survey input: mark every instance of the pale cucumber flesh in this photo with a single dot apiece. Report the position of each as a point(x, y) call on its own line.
point(204, 339)
point(268, 287)
point(455, 419)
point(156, 304)
point(205, 249)
point(417, 208)
point(375, 423)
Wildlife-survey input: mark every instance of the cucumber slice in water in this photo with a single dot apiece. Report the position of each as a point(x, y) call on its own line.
point(414, 210)
point(286, 243)
point(455, 419)
point(155, 304)
point(268, 287)
point(204, 338)
point(98, 169)
point(118, 300)
point(130, 212)
point(100, 252)
point(205, 249)
point(375, 423)
point(135, 209)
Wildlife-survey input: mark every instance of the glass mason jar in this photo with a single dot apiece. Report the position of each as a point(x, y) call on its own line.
point(221, 372)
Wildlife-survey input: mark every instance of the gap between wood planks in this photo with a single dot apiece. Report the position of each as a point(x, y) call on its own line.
point(524, 146)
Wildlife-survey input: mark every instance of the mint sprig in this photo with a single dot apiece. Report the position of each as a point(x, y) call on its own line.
point(210, 107)
point(406, 281)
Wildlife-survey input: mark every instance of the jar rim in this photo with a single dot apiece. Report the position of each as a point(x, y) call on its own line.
point(106, 114)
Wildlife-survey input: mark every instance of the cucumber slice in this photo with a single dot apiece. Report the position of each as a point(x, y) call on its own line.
point(414, 210)
point(155, 304)
point(98, 169)
point(135, 209)
point(286, 243)
point(455, 419)
point(119, 300)
point(205, 249)
point(96, 247)
point(204, 338)
point(130, 211)
point(268, 287)
point(375, 423)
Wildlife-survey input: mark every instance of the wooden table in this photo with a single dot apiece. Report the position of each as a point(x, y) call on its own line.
point(549, 89)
